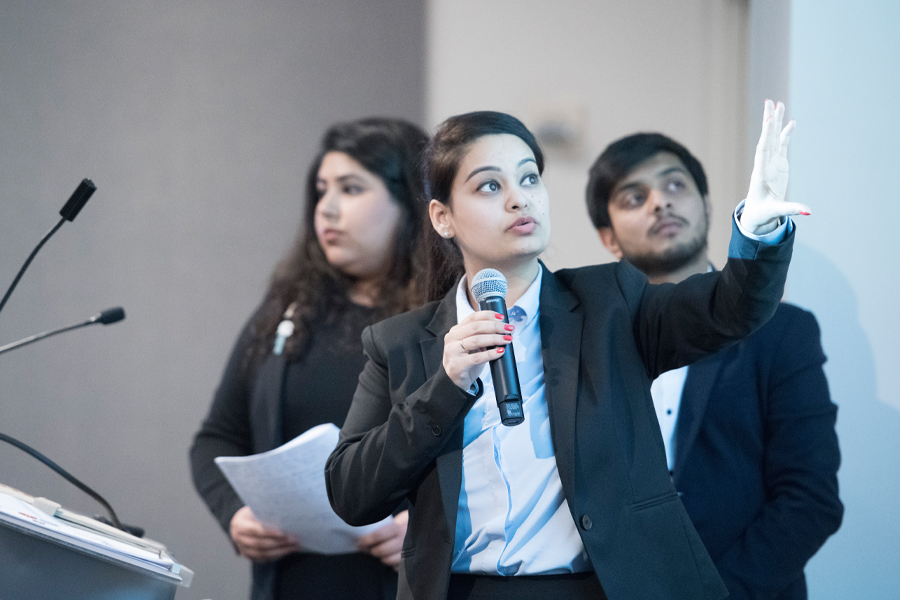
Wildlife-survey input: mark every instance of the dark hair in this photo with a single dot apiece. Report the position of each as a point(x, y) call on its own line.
point(390, 149)
point(441, 163)
point(621, 157)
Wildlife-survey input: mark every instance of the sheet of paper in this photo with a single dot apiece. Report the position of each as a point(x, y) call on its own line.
point(285, 489)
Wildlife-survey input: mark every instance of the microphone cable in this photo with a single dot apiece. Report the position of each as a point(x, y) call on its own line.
point(67, 476)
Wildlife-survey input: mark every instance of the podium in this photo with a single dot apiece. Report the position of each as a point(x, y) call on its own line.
point(53, 558)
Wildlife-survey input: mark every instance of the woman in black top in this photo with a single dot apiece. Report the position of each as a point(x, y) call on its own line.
point(296, 363)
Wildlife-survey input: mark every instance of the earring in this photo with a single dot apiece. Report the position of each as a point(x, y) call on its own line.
point(446, 233)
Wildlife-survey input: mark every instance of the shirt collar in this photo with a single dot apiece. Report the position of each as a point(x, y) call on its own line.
point(529, 302)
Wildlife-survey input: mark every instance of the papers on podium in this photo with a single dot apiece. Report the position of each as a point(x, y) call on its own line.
point(285, 489)
point(21, 511)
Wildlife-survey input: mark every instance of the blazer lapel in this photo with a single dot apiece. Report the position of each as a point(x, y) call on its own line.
point(449, 462)
point(561, 328)
point(697, 389)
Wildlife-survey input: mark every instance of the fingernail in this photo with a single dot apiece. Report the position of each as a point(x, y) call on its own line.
point(767, 119)
point(500, 350)
point(509, 327)
point(498, 316)
point(508, 338)
point(804, 213)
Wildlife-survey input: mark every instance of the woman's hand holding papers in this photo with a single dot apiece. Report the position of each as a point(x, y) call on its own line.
point(385, 543)
point(260, 543)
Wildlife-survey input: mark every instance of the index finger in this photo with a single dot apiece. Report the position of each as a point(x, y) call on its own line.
point(762, 147)
point(482, 315)
point(774, 133)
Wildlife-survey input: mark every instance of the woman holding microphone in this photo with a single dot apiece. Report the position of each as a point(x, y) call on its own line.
point(576, 502)
point(297, 361)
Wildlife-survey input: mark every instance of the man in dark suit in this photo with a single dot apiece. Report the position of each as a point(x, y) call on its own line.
point(749, 431)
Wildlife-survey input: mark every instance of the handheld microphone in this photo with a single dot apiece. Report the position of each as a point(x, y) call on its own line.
point(489, 289)
point(107, 317)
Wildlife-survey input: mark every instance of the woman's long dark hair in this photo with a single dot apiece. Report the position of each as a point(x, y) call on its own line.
point(390, 149)
point(444, 261)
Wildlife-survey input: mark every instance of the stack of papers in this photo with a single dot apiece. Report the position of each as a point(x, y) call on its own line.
point(285, 489)
point(18, 512)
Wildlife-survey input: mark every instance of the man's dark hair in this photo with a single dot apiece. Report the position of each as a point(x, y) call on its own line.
point(621, 158)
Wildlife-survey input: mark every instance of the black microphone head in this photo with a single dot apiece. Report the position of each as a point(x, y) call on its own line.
point(111, 315)
point(78, 199)
point(489, 283)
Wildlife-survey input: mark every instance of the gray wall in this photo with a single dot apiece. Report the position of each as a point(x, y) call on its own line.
point(845, 87)
point(197, 121)
point(609, 68)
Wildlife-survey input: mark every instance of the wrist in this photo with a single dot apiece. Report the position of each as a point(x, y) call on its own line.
point(758, 229)
point(767, 227)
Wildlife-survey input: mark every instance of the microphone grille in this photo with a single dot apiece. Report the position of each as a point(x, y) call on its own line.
point(111, 315)
point(489, 283)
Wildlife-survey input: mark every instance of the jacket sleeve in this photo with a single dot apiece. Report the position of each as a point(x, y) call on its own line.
point(224, 432)
point(389, 439)
point(800, 470)
point(678, 324)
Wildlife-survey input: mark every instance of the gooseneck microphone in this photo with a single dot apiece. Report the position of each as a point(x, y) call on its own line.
point(68, 212)
point(107, 317)
point(489, 288)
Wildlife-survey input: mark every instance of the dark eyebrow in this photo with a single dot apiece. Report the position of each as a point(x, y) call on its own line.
point(498, 169)
point(635, 184)
point(481, 169)
point(343, 179)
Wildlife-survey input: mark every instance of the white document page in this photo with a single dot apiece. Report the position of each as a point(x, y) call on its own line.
point(285, 489)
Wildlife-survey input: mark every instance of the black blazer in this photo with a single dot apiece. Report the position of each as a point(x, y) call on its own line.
point(756, 457)
point(606, 334)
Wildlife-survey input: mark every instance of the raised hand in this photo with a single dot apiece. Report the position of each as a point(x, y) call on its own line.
point(765, 200)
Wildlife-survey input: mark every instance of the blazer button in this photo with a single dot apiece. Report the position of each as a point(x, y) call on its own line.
point(436, 430)
point(586, 522)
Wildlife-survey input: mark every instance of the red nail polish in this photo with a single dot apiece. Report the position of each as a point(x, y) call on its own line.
point(508, 338)
point(498, 316)
point(509, 327)
point(804, 213)
point(500, 350)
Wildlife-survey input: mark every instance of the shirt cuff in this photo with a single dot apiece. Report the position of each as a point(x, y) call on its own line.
point(776, 236)
point(477, 388)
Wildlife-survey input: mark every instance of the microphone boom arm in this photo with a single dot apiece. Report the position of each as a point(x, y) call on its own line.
point(108, 316)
